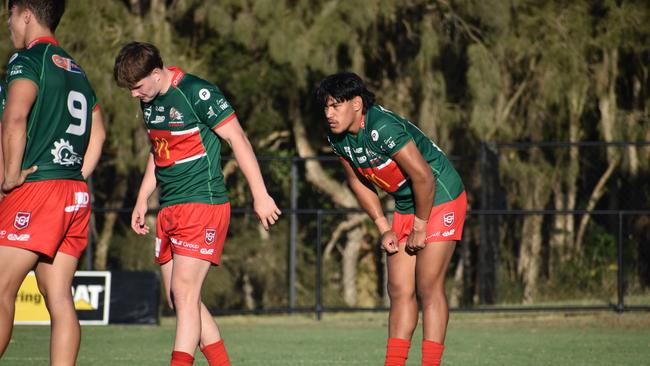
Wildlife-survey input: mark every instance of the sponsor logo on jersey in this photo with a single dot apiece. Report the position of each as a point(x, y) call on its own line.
point(223, 104)
point(21, 220)
point(64, 153)
point(158, 119)
point(160, 108)
point(449, 233)
point(362, 159)
point(448, 219)
point(66, 64)
point(374, 135)
point(390, 142)
point(204, 94)
point(18, 237)
point(210, 234)
point(206, 251)
point(12, 58)
point(211, 112)
point(16, 70)
point(81, 200)
point(147, 113)
point(358, 150)
point(176, 117)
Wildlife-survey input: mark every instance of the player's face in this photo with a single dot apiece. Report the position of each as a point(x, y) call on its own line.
point(17, 26)
point(340, 115)
point(147, 88)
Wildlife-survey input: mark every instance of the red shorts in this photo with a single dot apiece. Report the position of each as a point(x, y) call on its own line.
point(47, 217)
point(196, 230)
point(445, 223)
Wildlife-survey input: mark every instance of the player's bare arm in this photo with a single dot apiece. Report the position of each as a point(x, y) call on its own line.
point(369, 201)
point(94, 151)
point(263, 204)
point(147, 187)
point(20, 98)
point(411, 161)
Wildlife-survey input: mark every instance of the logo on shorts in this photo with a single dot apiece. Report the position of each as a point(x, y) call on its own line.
point(210, 234)
point(448, 219)
point(207, 251)
point(157, 247)
point(22, 220)
point(3, 233)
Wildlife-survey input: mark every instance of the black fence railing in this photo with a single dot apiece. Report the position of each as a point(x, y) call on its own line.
point(480, 231)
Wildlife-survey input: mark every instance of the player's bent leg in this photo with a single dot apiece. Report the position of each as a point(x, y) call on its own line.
point(431, 268)
point(403, 316)
point(54, 281)
point(187, 279)
point(432, 264)
point(15, 263)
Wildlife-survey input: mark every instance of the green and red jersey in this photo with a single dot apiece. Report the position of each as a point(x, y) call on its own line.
point(186, 150)
point(59, 124)
point(381, 135)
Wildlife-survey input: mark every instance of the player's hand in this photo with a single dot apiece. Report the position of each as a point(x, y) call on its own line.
point(11, 183)
point(266, 210)
point(415, 241)
point(138, 218)
point(389, 242)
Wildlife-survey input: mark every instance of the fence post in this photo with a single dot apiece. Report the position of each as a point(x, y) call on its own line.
point(319, 265)
point(293, 234)
point(620, 307)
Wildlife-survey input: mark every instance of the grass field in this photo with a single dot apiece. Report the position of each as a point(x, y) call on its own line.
point(592, 339)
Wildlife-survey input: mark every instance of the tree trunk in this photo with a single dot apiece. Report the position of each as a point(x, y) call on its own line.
point(529, 256)
point(349, 265)
point(106, 235)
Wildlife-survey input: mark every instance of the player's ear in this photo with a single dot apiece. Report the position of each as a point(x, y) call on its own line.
point(357, 103)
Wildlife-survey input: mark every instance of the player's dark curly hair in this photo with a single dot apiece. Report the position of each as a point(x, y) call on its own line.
point(135, 61)
point(344, 86)
point(47, 12)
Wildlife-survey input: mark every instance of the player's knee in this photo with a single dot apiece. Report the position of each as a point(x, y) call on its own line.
point(182, 297)
point(430, 294)
point(397, 291)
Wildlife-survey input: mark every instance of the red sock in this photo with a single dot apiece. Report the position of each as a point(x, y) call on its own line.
point(182, 359)
point(397, 351)
point(216, 354)
point(431, 353)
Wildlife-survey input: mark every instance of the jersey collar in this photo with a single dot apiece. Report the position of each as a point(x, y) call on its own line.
point(178, 75)
point(38, 40)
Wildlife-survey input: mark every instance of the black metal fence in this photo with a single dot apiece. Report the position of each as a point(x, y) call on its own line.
point(615, 286)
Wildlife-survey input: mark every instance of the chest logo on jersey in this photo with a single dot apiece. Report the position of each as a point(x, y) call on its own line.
point(66, 64)
point(176, 117)
point(64, 153)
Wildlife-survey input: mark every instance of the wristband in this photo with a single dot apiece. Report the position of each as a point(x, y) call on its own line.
point(382, 224)
point(419, 224)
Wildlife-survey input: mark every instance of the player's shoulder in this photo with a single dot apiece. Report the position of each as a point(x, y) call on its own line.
point(197, 87)
point(378, 117)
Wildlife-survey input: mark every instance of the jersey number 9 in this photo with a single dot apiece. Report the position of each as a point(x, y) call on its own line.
point(78, 108)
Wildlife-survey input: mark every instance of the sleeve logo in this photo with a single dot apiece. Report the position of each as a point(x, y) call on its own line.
point(204, 94)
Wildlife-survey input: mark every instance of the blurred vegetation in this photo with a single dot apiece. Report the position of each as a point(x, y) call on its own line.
point(465, 71)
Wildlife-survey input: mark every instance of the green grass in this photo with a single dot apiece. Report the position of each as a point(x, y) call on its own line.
point(359, 339)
